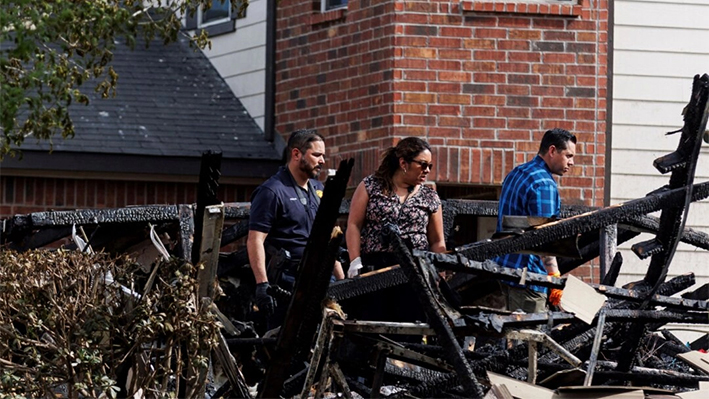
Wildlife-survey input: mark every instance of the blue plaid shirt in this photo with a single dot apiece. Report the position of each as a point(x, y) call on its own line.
point(529, 190)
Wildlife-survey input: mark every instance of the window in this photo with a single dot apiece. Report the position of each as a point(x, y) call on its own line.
point(328, 5)
point(219, 12)
point(218, 19)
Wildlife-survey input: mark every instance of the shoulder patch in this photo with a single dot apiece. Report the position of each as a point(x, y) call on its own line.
point(318, 193)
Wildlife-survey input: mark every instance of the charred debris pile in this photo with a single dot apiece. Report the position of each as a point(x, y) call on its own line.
point(604, 341)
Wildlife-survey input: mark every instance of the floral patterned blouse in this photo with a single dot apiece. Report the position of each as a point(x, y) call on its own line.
point(411, 216)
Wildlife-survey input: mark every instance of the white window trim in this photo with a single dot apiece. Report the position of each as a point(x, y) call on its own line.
point(323, 6)
point(216, 21)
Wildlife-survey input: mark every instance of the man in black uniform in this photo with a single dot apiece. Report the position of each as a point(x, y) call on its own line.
point(282, 213)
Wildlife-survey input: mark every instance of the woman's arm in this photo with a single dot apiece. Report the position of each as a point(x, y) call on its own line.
point(355, 221)
point(434, 230)
point(338, 272)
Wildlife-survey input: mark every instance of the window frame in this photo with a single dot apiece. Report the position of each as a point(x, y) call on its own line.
point(324, 6)
point(200, 15)
point(216, 27)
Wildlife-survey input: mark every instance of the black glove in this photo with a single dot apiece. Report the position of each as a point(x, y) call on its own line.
point(264, 301)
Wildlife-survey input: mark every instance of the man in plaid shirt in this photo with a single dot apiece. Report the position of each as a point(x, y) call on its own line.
point(530, 190)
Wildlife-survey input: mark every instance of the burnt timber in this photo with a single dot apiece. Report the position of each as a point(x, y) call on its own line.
point(460, 341)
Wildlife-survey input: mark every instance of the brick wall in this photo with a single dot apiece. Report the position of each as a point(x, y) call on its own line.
point(335, 73)
point(21, 195)
point(480, 80)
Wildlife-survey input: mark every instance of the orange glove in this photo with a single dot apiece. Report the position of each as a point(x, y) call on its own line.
point(555, 293)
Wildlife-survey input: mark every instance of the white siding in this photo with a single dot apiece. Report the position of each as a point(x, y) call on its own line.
point(240, 58)
point(658, 47)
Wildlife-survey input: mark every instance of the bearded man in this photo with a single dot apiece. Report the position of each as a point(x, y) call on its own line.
point(282, 214)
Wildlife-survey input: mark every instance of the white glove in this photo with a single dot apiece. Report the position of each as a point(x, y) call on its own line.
point(355, 265)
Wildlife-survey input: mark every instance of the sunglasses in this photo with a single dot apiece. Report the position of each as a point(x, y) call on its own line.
point(424, 165)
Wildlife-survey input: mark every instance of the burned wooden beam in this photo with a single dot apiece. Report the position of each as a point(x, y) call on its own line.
point(453, 208)
point(413, 357)
point(314, 271)
point(231, 369)
point(670, 287)
point(614, 270)
point(640, 223)
point(321, 353)
point(682, 163)
point(367, 283)
point(148, 213)
point(701, 293)
point(592, 361)
point(499, 322)
point(20, 226)
point(648, 375)
point(414, 376)
point(461, 264)
point(591, 251)
point(384, 327)
point(651, 224)
point(209, 172)
point(237, 210)
point(186, 219)
point(645, 375)
point(38, 239)
point(533, 338)
point(435, 387)
point(435, 314)
point(700, 343)
point(235, 232)
point(212, 224)
point(656, 300)
point(582, 223)
point(656, 316)
point(576, 336)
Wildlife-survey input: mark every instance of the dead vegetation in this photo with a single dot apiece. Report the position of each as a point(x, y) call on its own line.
point(76, 324)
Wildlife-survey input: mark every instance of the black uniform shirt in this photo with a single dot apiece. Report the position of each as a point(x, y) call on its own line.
point(276, 209)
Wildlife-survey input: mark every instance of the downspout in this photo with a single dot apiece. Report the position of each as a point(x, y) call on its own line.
point(609, 105)
point(269, 127)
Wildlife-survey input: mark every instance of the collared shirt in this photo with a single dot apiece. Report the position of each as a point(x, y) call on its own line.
point(276, 210)
point(528, 190)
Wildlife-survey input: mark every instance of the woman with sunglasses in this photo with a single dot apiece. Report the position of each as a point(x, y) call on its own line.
point(395, 194)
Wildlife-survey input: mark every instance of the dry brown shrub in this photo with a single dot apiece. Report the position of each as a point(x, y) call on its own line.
point(76, 323)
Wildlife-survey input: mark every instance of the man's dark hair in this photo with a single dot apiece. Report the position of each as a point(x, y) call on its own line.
point(556, 137)
point(302, 140)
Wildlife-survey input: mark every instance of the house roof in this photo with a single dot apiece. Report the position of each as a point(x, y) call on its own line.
point(171, 105)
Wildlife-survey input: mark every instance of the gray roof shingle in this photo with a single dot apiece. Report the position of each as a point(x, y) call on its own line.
point(170, 102)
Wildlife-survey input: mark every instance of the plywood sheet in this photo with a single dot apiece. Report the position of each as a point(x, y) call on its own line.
point(581, 299)
point(520, 389)
point(598, 392)
point(698, 360)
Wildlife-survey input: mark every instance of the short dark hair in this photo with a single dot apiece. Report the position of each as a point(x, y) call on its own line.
point(302, 140)
point(556, 137)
